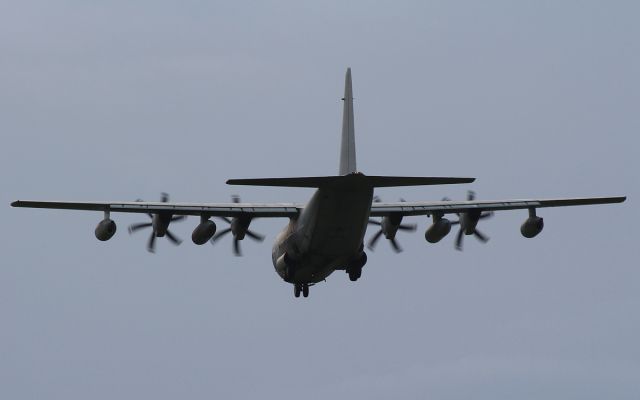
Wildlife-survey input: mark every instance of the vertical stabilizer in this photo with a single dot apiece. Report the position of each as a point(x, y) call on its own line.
point(348, 145)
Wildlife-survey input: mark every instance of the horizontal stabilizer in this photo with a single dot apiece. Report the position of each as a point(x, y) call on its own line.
point(350, 180)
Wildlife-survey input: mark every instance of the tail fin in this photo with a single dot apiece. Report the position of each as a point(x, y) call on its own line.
point(348, 145)
point(349, 177)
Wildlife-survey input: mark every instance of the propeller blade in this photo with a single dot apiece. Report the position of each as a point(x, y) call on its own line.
point(376, 199)
point(459, 237)
point(471, 195)
point(138, 226)
point(255, 236)
point(395, 245)
point(372, 242)
point(446, 199)
point(483, 238)
point(374, 222)
point(174, 239)
point(151, 245)
point(408, 227)
point(220, 234)
point(455, 222)
point(236, 243)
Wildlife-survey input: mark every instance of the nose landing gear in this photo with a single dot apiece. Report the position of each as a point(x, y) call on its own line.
point(301, 287)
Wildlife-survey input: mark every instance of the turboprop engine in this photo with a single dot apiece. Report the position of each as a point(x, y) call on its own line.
point(389, 226)
point(532, 226)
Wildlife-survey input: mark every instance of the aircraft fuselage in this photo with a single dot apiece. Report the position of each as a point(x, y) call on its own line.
point(328, 234)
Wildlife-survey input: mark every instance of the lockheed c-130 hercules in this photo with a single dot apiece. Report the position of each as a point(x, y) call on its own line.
point(327, 233)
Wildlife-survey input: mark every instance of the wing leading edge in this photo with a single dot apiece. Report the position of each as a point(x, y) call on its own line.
point(256, 210)
point(451, 207)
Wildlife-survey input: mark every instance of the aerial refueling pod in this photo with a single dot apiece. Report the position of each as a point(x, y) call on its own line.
point(438, 230)
point(533, 225)
point(204, 231)
point(106, 228)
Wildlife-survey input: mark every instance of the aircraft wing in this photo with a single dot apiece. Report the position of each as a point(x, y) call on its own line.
point(450, 207)
point(255, 210)
point(290, 210)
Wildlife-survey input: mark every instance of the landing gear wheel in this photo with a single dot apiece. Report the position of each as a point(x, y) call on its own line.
point(296, 290)
point(305, 290)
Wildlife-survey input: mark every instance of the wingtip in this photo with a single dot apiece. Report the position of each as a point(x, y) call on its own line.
point(617, 199)
point(15, 203)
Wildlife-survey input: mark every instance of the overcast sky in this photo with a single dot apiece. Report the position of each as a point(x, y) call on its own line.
point(122, 100)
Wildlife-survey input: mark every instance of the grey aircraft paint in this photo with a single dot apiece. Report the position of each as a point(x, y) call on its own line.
point(348, 144)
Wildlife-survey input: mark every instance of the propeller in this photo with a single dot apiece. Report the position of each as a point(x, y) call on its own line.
point(239, 227)
point(389, 226)
point(161, 222)
point(468, 221)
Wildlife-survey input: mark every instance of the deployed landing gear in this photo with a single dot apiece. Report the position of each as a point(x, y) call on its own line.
point(301, 287)
point(355, 267)
point(355, 273)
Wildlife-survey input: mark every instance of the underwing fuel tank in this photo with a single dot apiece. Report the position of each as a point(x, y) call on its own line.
point(105, 230)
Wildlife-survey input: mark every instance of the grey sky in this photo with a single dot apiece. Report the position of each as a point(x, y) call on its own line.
point(120, 100)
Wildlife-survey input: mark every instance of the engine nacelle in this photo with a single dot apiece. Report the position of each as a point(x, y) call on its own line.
point(203, 232)
point(390, 225)
point(105, 229)
point(438, 230)
point(532, 227)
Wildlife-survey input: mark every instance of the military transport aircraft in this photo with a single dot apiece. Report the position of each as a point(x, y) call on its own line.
point(327, 233)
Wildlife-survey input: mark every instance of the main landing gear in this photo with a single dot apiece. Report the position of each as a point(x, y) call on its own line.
point(355, 267)
point(354, 273)
point(301, 287)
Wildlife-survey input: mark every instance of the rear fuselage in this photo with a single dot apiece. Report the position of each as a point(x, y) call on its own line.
point(328, 234)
